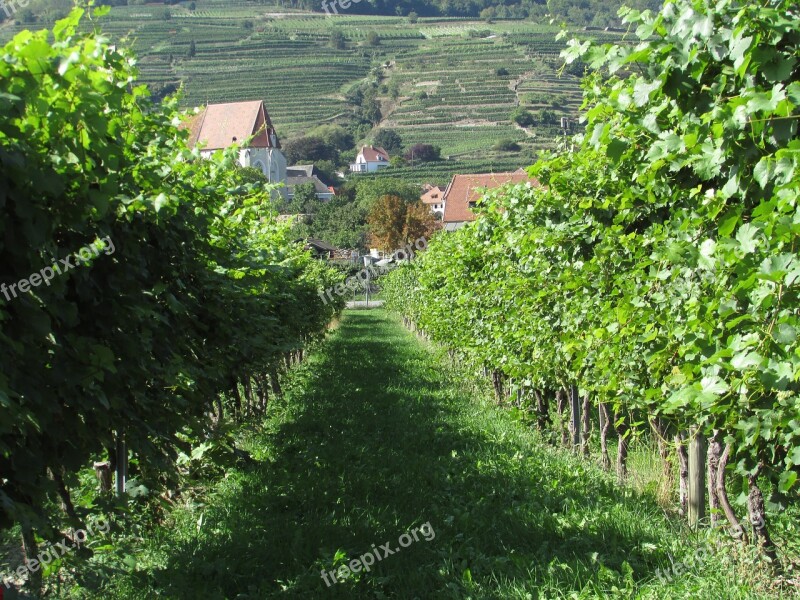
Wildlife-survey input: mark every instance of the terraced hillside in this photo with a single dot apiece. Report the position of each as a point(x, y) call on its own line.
point(448, 82)
point(458, 93)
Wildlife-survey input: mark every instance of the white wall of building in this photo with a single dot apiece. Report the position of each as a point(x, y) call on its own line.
point(363, 165)
point(269, 161)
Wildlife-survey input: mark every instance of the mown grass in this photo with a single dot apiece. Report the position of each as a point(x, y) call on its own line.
point(378, 434)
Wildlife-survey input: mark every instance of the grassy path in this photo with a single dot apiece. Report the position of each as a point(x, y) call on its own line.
point(376, 438)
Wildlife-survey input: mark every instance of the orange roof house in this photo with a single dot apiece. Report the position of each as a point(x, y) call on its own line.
point(463, 192)
point(434, 198)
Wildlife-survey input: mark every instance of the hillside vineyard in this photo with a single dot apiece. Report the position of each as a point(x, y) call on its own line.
point(436, 302)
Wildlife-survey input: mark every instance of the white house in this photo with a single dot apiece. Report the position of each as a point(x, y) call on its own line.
point(247, 124)
point(370, 159)
point(434, 199)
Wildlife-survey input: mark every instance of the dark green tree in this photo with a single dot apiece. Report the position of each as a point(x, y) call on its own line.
point(370, 109)
point(305, 200)
point(337, 40)
point(309, 149)
point(389, 140)
point(423, 153)
point(341, 222)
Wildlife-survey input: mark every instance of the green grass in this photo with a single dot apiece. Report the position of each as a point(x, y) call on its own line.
point(377, 435)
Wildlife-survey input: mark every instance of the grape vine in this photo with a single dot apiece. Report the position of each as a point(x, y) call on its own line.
point(204, 289)
point(656, 267)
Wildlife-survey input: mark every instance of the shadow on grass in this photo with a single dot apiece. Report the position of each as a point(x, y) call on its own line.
point(376, 441)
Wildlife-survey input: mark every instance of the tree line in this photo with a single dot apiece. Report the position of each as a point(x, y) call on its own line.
point(596, 13)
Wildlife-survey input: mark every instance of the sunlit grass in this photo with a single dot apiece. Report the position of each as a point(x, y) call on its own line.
point(379, 434)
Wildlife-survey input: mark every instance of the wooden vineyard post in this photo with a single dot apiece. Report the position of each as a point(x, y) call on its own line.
point(103, 472)
point(697, 477)
point(497, 384)
point(122, 464)
point(623, 429)
point(683, 473)
point(542, 409)
point(575, 416)
point(605, 426)
point(561, 408)
point(714, 452)
point(586, 425)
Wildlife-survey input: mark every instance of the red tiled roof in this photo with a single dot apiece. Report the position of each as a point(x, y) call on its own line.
point(464, 189)
point(221, 125)
point(433, 195)
point(373, 154)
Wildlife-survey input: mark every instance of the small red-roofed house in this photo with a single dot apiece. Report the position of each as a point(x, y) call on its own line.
point(370, 159)
point(463, 192)
point(433, 198)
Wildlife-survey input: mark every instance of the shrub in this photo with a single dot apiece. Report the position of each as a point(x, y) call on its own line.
point(423, 153)
point(522, 117)
point(507, 146)
point(337, 40)
point(548, 117)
